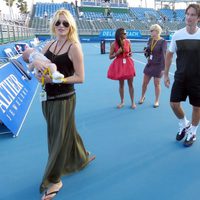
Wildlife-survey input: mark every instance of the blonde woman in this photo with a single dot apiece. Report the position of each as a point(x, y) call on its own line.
point(65, 147)
point(155, 53)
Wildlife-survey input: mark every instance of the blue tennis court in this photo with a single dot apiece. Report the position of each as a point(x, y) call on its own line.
point(137, 156)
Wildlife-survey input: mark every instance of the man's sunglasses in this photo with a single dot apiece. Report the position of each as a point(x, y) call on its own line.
point(64, 23)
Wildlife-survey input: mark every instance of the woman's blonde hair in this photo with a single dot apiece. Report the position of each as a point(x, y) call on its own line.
point(72, 35)
point(157, 28)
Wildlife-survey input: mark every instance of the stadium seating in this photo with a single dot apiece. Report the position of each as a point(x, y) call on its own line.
point(42, 8)
point(91, 17)
point(168, 14)
point(145, 13)
point(179, 14)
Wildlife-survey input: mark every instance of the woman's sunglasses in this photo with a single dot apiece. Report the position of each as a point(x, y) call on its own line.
point(64, 23)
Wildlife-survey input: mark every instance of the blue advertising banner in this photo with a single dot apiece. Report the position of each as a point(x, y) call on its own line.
point(109, 33)
point(17, 88)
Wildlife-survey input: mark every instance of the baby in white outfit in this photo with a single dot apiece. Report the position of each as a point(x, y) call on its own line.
point(30, 54)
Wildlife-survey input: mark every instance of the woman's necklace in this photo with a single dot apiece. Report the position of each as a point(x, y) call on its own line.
point(153, 43)
point(54, 54)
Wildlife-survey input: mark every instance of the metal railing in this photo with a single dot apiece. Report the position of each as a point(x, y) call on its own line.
point(12, 33)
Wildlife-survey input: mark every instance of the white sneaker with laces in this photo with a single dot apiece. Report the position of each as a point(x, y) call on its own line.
point(190, 138)
point(182, 131)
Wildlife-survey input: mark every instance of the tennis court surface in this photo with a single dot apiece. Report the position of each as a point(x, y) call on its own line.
point(137, 156)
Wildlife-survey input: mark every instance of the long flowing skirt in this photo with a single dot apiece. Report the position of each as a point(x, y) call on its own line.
point(65, 147)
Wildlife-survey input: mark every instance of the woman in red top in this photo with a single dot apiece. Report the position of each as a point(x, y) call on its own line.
point(122, 68)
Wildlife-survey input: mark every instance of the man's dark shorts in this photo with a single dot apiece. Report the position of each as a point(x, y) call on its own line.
point(183, 89)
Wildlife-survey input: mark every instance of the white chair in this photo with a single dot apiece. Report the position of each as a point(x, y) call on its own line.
point(9, 53)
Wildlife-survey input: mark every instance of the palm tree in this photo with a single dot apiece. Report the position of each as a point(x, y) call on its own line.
point(22, 5)
point(145, 3)
point(9, 3)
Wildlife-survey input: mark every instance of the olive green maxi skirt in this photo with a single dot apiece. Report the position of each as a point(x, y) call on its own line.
point(65, 147)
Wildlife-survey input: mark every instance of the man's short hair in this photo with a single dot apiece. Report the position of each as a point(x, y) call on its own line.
point(196, 7)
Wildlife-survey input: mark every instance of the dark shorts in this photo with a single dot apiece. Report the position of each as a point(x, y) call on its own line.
point(181, 90)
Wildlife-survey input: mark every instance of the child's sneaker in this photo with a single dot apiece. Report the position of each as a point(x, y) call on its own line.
point(57, 77)
point(57, 80)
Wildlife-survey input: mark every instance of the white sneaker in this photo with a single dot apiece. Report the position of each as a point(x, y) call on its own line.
point(190, 138)
point(182, 131)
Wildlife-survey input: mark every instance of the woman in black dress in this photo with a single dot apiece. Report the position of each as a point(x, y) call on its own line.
point(66, 151)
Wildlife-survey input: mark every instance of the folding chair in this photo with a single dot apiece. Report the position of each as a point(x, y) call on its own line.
point(9, 53)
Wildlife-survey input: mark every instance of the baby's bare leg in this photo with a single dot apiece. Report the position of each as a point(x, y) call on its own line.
point(52, 67)
point(56, 75)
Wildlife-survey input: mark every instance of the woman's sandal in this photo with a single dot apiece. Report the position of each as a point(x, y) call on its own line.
point(92, 158)
point(156, 105)
point(50, 195)
point(141, 101)
point(88, 153)
point(120, 105)
point(133, 106)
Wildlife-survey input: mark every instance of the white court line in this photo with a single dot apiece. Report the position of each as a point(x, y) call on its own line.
point(139, 54)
